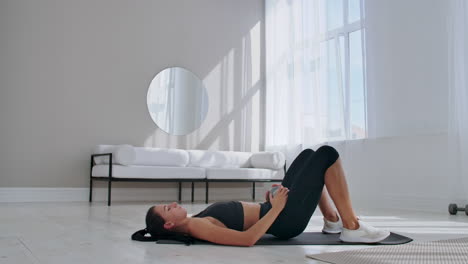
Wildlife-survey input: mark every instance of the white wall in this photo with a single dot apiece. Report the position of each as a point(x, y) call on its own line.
point(404, 162)
point(74, 74)
point(407, 67)
point(408, 172)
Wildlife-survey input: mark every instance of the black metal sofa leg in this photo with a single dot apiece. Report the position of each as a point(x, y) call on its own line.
point(180, 192)
point(109, 193)
point(192, 190)
point(253, 191)
point(206, 190)
point(91, 179)
point(91, 189)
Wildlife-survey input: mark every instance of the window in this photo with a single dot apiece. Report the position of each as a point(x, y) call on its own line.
point(341, 66)
point(315, 67)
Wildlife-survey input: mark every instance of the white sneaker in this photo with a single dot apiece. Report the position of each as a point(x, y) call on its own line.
point(364, 234)
point(330, 227)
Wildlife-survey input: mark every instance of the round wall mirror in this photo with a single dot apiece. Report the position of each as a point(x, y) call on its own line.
point(177, 101)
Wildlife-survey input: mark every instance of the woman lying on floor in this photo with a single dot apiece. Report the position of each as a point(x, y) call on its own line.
point(284, 215)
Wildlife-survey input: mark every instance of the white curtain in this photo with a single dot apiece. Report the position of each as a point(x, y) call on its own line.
point(305, 65)
point(458, 97)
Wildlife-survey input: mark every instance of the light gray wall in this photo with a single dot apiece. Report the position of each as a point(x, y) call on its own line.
point(404, 164)
point(407, 67)
point(407, 172)
point(74, 74)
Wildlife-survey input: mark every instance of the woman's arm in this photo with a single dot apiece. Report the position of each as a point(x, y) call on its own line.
point(278, 202)
point(204, 229)
point(255, 232)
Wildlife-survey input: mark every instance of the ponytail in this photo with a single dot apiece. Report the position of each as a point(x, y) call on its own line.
point(144, 236)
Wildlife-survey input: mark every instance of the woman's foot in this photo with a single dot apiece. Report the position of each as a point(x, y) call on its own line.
point(363, 234)
point(330, 227)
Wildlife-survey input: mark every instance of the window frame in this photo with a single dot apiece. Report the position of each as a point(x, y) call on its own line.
point(345, 32)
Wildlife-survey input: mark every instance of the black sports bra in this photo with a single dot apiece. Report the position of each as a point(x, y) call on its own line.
point(231, 214)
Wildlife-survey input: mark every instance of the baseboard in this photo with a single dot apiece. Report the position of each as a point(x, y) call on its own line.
point(126, 194)
point(416, 203)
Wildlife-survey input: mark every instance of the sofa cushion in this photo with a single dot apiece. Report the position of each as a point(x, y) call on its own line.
point(121, 154)
point(149, 172)
point(161, 157)
point(268, 160)
point(218, 159)
point(243, 174)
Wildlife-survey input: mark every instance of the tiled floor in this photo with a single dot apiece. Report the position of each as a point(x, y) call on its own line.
point(95, 233)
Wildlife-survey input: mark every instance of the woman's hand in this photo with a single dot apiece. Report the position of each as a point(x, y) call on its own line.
point(279, 200)
point(267, 194)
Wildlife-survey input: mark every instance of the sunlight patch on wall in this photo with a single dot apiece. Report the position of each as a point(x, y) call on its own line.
point(256, 123)
point(255, 51)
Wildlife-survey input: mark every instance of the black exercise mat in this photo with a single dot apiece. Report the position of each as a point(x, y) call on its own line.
point(308, 238)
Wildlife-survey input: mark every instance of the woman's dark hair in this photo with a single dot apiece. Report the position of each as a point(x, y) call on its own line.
point(155, 228)
point(155, 224)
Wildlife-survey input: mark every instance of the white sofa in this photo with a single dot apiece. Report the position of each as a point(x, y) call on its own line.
point(177, 165)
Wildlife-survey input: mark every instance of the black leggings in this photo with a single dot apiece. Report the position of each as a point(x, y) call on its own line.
point(305, 179)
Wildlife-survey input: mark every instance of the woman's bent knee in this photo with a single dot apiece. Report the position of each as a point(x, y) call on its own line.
point(307, 151)
point(326, 148)
point(330, 153)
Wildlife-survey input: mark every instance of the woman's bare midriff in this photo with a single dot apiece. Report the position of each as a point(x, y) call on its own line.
point(251, 214)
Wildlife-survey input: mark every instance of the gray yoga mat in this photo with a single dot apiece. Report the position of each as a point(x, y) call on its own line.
point(308, 238)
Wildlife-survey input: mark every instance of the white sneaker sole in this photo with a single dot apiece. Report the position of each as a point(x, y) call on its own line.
point(365, 240)
point(330, 232)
